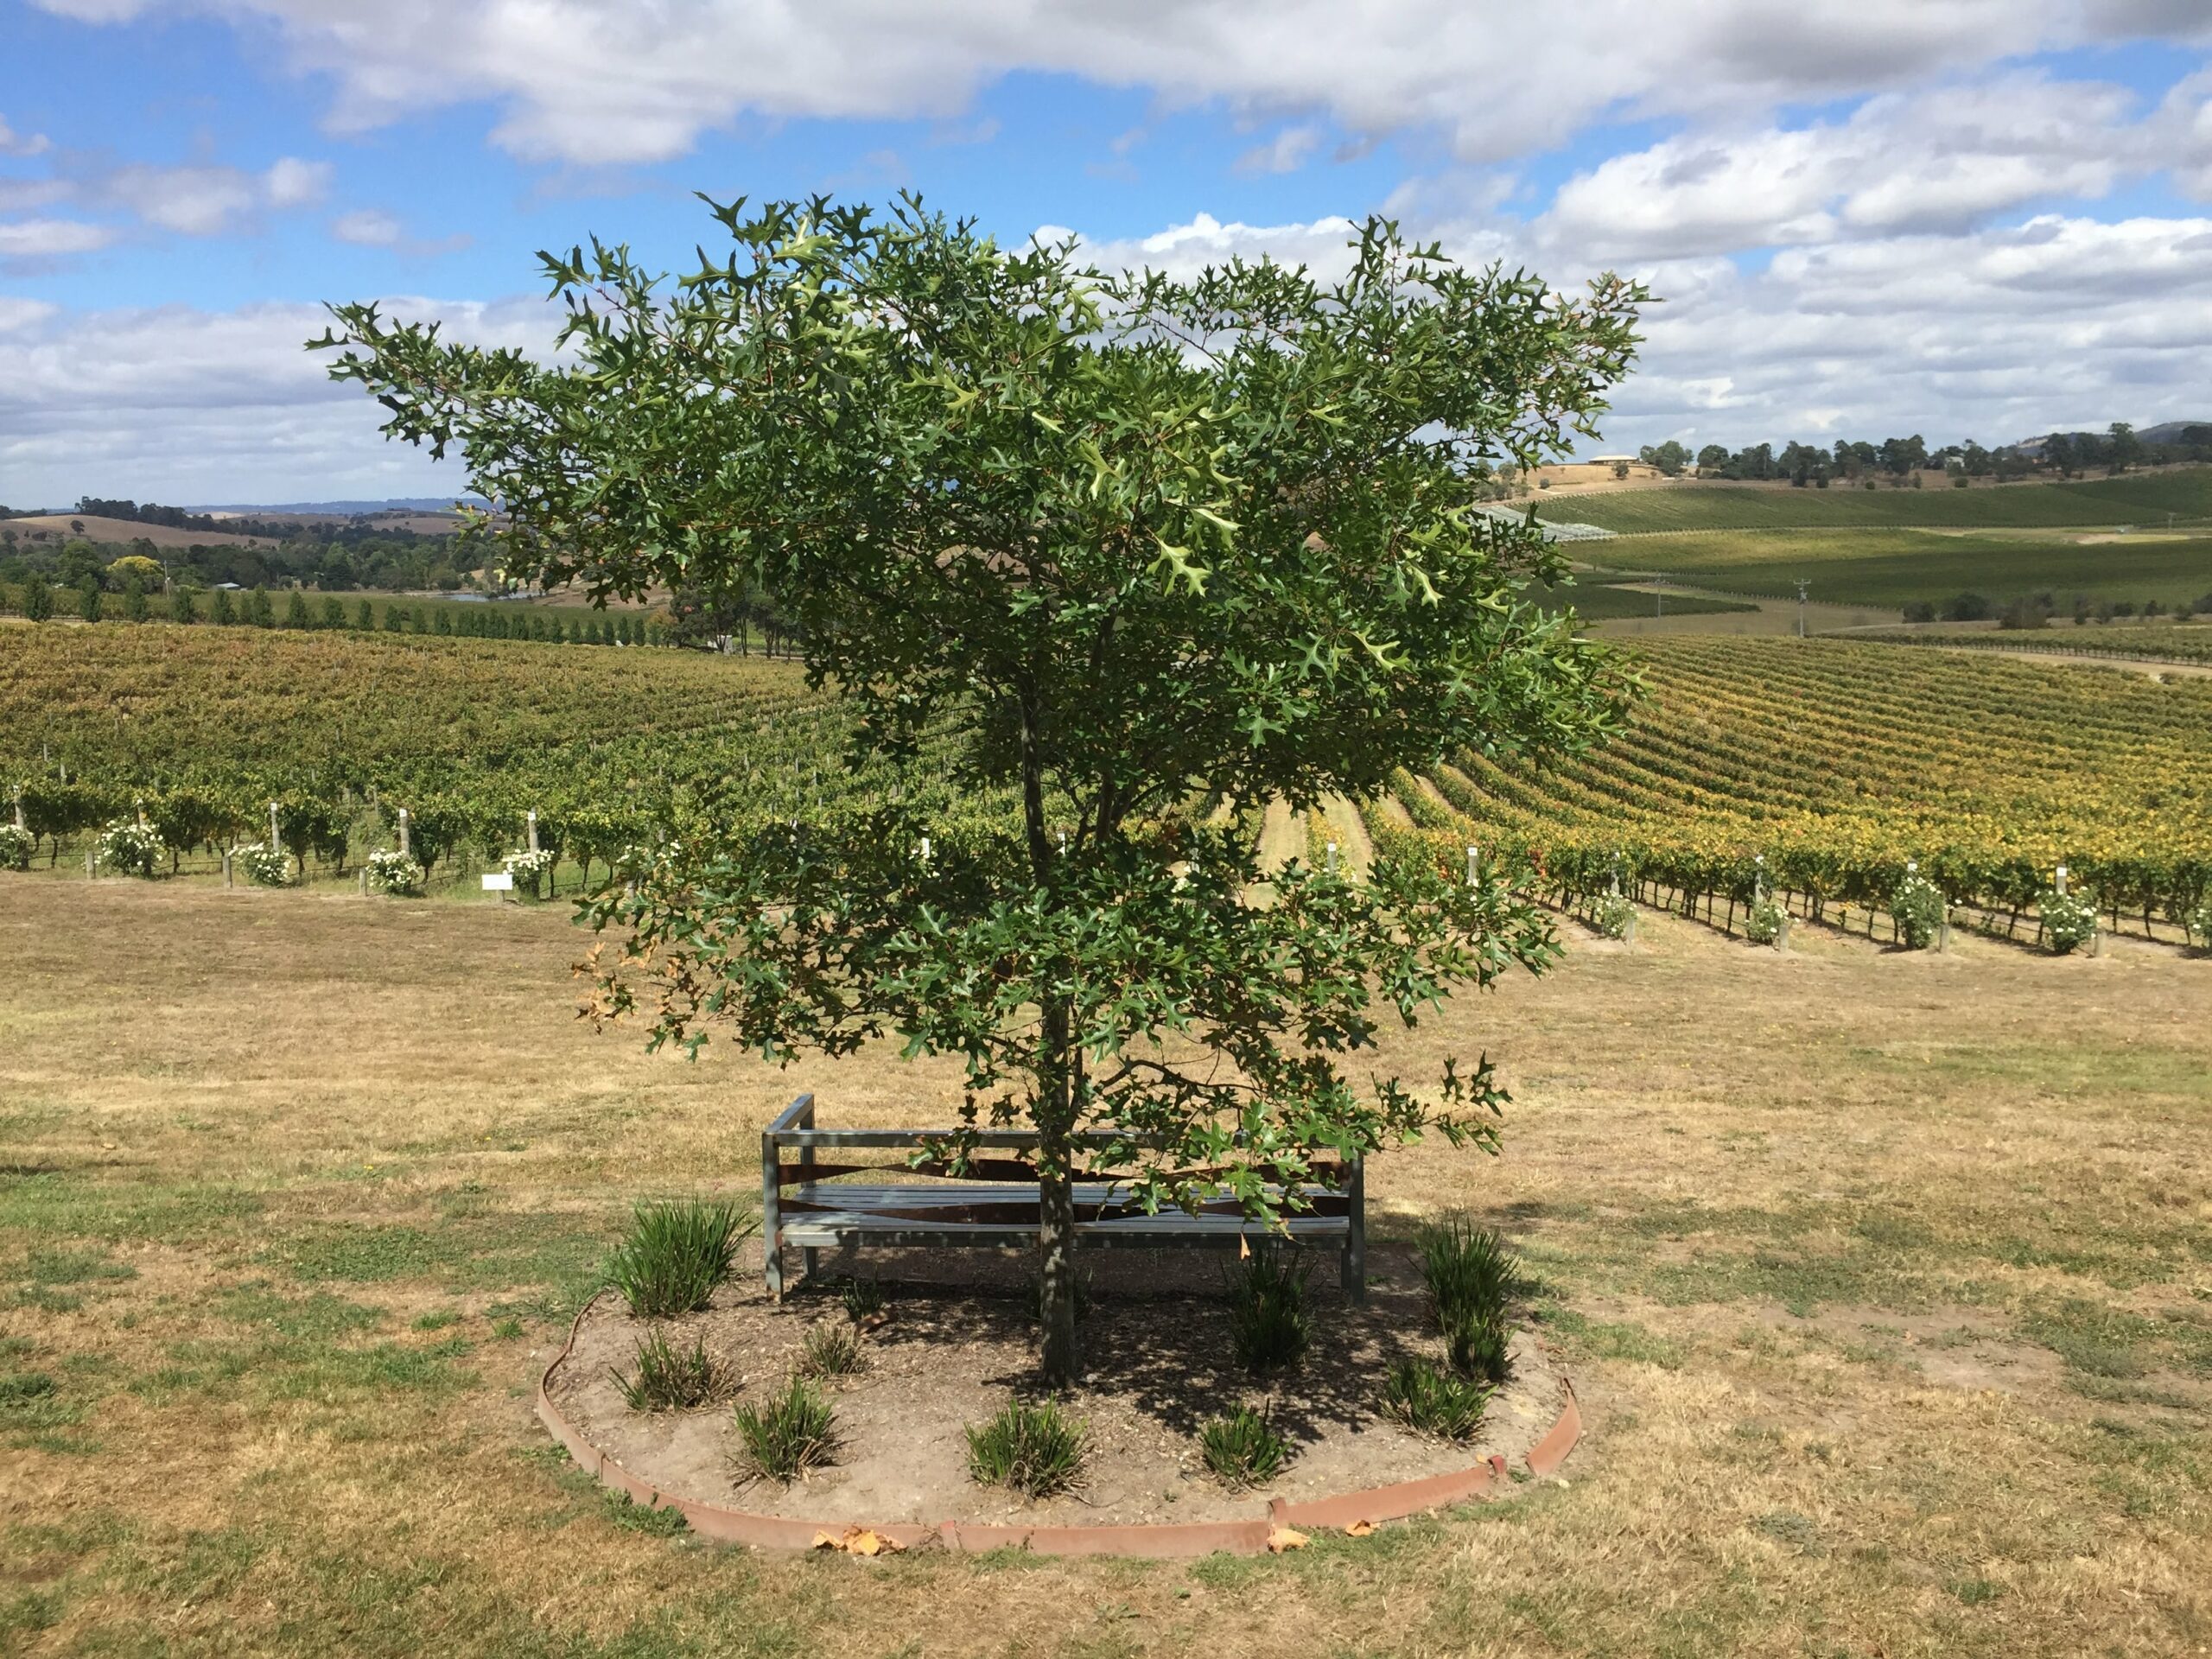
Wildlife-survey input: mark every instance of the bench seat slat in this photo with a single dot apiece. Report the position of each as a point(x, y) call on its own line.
point(993, 1204)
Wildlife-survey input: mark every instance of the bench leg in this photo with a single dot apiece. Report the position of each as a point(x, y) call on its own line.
point(1355, 1256)
point(771, 1244)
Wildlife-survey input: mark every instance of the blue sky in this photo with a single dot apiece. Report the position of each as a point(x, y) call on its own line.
point(1970, 220)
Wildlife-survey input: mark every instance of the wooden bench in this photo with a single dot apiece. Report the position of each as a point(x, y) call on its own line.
point(808, 1206)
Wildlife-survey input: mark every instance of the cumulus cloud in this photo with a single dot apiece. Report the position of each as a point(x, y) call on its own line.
point(182, 404)
point(209, 201)
point(1286, 152)
point(371, 227)
point(367, 228)
point(27, 239)
point(582, 81)
point(1942, 161)
point(21, 143)
point(1996, 333)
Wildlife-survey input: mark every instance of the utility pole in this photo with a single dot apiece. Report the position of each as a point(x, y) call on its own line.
point(1801, 587)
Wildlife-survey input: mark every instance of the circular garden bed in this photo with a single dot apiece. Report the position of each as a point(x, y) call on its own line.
point(884, 1372)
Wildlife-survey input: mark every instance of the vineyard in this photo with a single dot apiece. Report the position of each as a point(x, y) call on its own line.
point(2189, 645)
point(2143, 499)
point(203, 728)
point(1841, 765)
point(1838, 764)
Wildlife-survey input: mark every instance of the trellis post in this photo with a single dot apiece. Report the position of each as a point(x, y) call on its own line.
point(1473, 868)
point(533, 829)
point(406, 849)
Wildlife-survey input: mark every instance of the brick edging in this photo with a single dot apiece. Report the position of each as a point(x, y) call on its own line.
point(1242, 1537)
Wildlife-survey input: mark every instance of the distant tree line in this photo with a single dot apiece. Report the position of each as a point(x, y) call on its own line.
point(2063, 455)
point(334, 559)
point(2039, 610)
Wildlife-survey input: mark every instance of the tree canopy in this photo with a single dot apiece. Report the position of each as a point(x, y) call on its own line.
point(1159, 551)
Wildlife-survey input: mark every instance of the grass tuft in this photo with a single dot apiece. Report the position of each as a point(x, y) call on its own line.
point(1033, 1450)
point(832, 1350)
point(1242, 1449)
point(1472, 1278)
point(1432, 1401)
point(1269, 1326)
point(863, 1299)
point(789, 1432)
point(669, 1378)
point(675, 1255)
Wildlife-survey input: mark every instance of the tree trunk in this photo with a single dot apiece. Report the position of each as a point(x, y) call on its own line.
point(1063, 1366)
point(1057, 1104)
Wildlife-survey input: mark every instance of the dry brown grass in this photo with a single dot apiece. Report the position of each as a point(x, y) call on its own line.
point(1886, 1280)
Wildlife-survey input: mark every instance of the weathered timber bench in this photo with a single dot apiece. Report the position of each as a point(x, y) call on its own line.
point(808, 1204)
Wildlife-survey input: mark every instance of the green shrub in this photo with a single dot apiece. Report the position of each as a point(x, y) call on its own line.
point(1612, 915)
point(15, 848)
point(675, 1255)
point(1033, 1450)
point(790, 1432)
point(395, 874)
point(263, 865)
point(1479, 1348)
point(1469, 1271)
point(1435, 1402)
point(1920, 909)
point(1472, 1278)
point(1269, 1326)
point(2197, 920)
point(669, 1378)
point(832, 1350)
point(1766, 921)
point(128, 848)
point(1242, 1449)
point(2069, 920)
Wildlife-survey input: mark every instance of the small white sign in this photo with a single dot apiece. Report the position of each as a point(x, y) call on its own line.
point(499, 881)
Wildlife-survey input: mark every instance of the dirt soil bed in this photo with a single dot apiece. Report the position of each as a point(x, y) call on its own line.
point(959, 1342)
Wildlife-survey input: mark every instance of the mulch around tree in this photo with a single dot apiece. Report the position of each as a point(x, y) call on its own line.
point(959, 1339)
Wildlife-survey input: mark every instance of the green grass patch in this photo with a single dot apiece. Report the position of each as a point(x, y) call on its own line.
point(1619, 1339)
point(1891, 569)
point(64, 1204)
point(2139, 498)
point(492, 1252)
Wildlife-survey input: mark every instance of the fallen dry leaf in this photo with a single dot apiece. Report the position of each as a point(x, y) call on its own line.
point(858, 1541)
point(1360, 1529)
point(1283, 1538)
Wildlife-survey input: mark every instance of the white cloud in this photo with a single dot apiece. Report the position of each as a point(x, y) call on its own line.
point(51, 238)
point(210, 200)
point(367, 228)
point(580, 81)
point(17, 313)
point(1286, 152)
point(15, 143)
point(295, 183)
point(180, 405)
point(1994, 332)
point(1942, 161)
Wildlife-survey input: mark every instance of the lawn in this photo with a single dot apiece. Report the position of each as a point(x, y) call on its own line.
point(1887, 1283)
point(1893, 568)
point(2143, 499)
